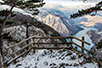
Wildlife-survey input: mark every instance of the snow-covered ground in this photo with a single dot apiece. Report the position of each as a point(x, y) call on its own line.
point(53, 59)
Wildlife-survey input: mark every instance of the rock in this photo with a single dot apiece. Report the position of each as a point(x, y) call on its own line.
point(45, 52)
point(62, 58)
point(35, 67)
point(27, 67)
point(38, 58)
point(52, 64)
point(66, 64)
point(62, 64)
point(69, 53)
point(73, 57)
point(54, 67)
point(76, 64)
point(83, 62)
point(50, 51)
point(18, 65)
point(36, 63)
point(60, 51)
point(70, 64)
point(46, 63)
point(79, 56)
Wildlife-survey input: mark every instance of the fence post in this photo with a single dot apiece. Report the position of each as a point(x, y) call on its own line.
point(83, 44)
point(13, 49)
point(71, 40)
point(33, 45)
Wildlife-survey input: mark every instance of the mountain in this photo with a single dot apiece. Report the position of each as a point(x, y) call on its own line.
point(92, 21)
point(59, 22)
point(62, 58)
point(18, 32)
point(95, 36)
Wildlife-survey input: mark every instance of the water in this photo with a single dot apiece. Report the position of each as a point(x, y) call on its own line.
point(87, 38)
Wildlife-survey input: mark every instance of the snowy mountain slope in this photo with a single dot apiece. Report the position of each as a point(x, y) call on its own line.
point(37, 29)
point(59, 23)
point(19, 33)
point(53, 59)
point(43, 58)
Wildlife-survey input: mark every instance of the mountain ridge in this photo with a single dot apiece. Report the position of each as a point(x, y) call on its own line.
point(60, 23)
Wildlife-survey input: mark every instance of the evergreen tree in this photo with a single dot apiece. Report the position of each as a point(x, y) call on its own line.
point(90, 11)
point(29, 6)
point(99, 45)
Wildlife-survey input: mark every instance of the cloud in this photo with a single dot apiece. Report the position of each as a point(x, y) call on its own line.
point(51, 5)
point(68, 7)
point(80, 0)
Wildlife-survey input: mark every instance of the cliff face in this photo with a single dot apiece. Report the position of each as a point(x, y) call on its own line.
point(95, 36)
point(20, 19)
point(59, 23)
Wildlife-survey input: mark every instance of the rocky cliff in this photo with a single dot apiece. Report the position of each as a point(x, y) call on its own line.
point(95, 36)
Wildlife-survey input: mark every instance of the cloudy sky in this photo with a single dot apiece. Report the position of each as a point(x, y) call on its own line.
point(66, 6)
point(69, 6)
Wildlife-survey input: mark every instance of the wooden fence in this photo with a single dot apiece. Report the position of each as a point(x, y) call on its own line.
point(70, 46)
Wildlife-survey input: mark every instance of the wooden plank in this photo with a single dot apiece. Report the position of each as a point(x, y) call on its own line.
point(79, 46)
point(20, 49)
point(20, 42)
point(80, 52)
point(80, 40)
point(38, 38)
point(52, 37)
point(35, 43)
point(52, 48)
point(96, 61)
point(9, 62)
point(54, 43)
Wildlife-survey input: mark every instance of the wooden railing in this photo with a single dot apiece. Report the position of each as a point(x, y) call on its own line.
point(89, 55)
point(70, 46)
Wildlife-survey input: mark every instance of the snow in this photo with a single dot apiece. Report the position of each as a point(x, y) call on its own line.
point(52, 59)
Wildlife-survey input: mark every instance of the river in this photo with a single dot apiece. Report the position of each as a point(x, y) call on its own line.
point(87, 38)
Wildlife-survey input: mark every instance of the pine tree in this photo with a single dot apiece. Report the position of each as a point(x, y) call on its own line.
point(26, 5)
point(89, 11)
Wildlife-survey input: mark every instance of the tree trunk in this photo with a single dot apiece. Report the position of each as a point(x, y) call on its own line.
point(27, 33)
point(1, 48)
point(1, 62)
point(1, 42)
point(1, 31)
point(27, 42)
